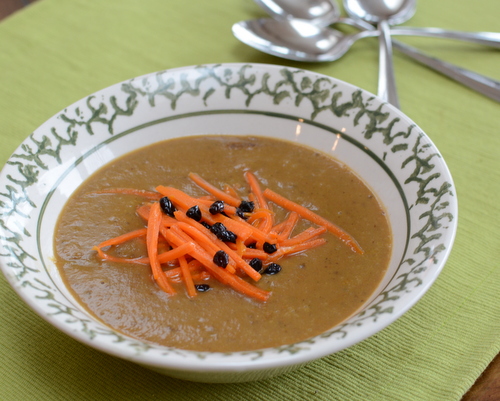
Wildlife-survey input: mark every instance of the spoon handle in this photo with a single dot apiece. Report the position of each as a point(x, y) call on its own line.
point(487, 86)
point(386, 80)
point(483, 38)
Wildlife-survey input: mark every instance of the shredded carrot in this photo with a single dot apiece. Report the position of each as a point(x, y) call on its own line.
point(265, 218)
point(185, 221)
point(205, 242)
point(228, 189)
point(228, 209)
point(154, 224)
point(123, 238)
point(314, 218)
point(295, 249)
point(256, 190)
point(223, 276)
point(186, 275)
point(286, 229)
point(304, 236)
point(188, 246)
point(223, 196)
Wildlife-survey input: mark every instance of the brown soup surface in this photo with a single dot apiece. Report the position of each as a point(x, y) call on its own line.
point(313, 292)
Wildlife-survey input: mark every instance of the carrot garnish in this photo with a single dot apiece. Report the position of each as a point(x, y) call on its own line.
point(123, 238)
point(256, 190)
point(285, 229)
point(223, 196)
point(228, 189)
point(186, 275)
point(154, 224)
point(314, 218)
point(304, 236)
point(218, 237)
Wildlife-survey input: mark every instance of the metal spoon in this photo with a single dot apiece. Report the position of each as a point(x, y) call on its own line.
point(326, 12)
point(296, 39)
point(303, 41)
point(383, 13)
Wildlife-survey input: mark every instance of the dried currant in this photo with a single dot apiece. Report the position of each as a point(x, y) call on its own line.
point(167, 206)
point(194, 213)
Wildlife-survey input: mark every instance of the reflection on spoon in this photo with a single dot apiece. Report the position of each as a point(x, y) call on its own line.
point(285, 39)
point(296, 39)
point(327, 12)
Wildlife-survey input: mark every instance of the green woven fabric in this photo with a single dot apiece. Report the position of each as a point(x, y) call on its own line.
point(55, 52)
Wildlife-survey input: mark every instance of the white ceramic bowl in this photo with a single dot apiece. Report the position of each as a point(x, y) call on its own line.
point(381, 144)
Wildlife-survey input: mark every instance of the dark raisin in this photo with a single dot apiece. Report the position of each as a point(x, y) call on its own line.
point(242, 214)
point(194, 213)
point(256, 264)
point(229, 236)
point(218, 229)
point(223, 233)
point(253, 245)
point(221, 259)
point(167, 207)
point(202, 287)
point(246, 206)
point(216, 207)
point(206, 225)
point(269, 248)
point(272, 268)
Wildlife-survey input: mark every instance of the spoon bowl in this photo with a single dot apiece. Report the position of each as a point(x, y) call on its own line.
point(395, 12)
point(296, 39)
point(320, 11)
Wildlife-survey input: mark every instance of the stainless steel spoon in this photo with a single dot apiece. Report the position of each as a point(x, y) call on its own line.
point(326, 12)
point(303, 41)
point(383, 13)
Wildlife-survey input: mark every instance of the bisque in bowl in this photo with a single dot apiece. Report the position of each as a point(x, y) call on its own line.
point(379, 143)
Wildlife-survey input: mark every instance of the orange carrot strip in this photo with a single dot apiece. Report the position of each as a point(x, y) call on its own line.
point(294, 249)
point(288, 225)
point(235, 282)
point(154, 224)
point(253, 182)
point(130, 191)
point(265, 218)
point(177, 196)
point(175, 253)
point(194, 266)
point(314, 218)
point(228, 189)
point(250, 253)
point(190, 227)
point(163, 257)
point(143, 212)
point(237, 225)
point(123, 238)
point(241, 228)
point(186, 275)
point(240, 247)
point(221, 195)
point(304, 236)
point(205, 242)
point(227, 208)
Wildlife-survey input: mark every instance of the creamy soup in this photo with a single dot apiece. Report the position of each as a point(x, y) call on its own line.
point(313, 292)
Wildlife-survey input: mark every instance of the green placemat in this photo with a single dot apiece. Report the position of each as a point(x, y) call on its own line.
point(55, 52)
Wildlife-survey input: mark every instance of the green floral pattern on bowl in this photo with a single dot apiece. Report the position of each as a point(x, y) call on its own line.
point(379, 142)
